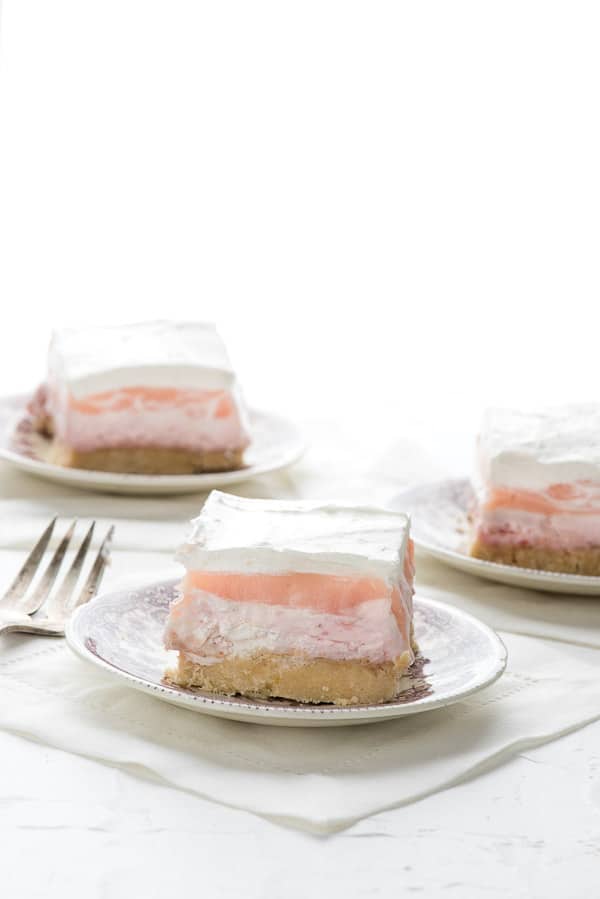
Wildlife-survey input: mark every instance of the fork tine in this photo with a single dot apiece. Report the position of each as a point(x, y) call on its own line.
point(41, 592)
point(90, 588)
point(23, 579)
point(57, 605)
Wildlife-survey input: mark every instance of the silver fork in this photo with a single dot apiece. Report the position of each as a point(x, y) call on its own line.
point(17, 606)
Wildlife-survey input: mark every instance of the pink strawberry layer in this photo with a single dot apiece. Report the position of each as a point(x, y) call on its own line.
point(202, 420)
point(319, 616)
point(563, 516)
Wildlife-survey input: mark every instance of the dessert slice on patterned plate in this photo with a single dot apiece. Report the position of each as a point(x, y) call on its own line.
point(299, 600)
point(151, 398)
point(538, 489)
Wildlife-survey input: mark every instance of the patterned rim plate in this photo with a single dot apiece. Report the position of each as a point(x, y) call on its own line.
point(121, 632)
point(440, 526)
point(276, 443)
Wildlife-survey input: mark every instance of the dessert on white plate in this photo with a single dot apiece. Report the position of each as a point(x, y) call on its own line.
point(300, 600)
point(150, 398)
point(538, 489)
point(122, 634)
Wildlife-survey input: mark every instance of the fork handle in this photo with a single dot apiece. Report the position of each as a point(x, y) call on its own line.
point(47, 630)
point(8, 628)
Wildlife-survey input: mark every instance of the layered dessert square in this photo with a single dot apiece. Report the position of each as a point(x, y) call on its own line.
point(538, 489)
point(150, 398)
point(297, 600)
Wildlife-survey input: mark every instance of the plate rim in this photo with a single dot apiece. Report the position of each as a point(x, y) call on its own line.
point(161, 482)
point(245, 708)
point(510, 571)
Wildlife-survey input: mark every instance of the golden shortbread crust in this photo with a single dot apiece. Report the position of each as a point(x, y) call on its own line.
point(566, 561)
point(146, 460)
point(267, 675)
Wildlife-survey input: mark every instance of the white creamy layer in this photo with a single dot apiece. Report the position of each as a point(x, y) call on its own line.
point(510, 526)
point(169, 427)
point(533, 450)
point(209, 629)
point(252, 536)
point(186, 355)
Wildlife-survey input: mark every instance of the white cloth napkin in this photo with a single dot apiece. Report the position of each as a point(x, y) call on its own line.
point(320, 780)
point(554, 616)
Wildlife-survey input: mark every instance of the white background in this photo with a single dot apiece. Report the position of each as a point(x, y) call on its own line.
point(391, 209)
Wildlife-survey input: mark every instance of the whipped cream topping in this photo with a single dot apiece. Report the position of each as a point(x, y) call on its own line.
point(534, 450)
point(273, 536)
point(91, 360)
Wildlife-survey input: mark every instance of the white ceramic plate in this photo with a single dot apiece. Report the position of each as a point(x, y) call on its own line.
point(122, 632)
point(440, 526)
point(276, 443)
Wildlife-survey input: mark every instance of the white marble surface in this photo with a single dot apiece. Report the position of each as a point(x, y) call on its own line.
point(71, 827)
